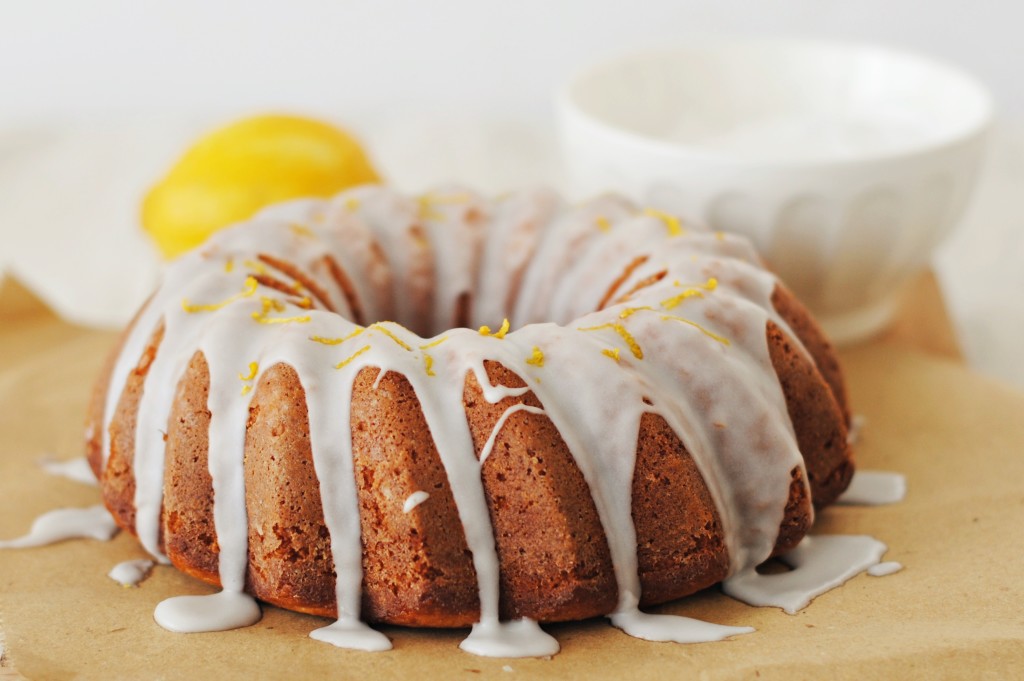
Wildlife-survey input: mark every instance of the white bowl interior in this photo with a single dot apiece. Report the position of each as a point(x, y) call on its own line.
point(783, 101)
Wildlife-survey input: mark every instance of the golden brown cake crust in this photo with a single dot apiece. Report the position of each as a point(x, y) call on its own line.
point(555, 562)
point(117, 479)
point(190, 539)
point(815, 397)
point(814, 340)
point(417, 568)
point(290, 560)
point(680, 543)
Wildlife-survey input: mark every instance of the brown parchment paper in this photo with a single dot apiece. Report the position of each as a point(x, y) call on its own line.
point(955, 611)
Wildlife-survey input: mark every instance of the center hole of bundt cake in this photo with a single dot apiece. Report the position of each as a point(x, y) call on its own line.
point(425, 319)
point(422, 304)
point(422, 301)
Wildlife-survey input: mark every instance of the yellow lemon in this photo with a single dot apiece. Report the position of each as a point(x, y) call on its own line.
point(233, 172)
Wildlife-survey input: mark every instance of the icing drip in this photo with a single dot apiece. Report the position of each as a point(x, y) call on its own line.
point(414, 500)
point(447, 423)
point(353, 634)
point(230, 608)
point(673, 628)
point(332, 458)
point(489, 445)
point(820, 564)
point(131, 572)
point(66, 523)
point(684, 323)
point(874, 488)
point(884, 569)
point(519, 638)
point(215, 612)
point(76, 469)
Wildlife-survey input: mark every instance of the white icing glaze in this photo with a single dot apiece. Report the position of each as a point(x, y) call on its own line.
point(681, 335)
point(874, 488)
point(131, 572)
point(518, 638)
point(76, 469)
point(489, 445)
point(820, 564)
point(414, 500)
point(351, 633)
point(214, 612)
point(518, 221)
point(66, 523)
point(884, 569)
point(673, 628)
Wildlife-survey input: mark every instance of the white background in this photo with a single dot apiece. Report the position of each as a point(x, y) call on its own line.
point(73, 58)
point(96, 98)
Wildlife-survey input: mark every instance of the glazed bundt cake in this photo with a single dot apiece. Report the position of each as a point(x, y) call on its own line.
point(643, 412)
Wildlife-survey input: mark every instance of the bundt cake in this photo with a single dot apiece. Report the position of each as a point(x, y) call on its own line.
point(625, 428)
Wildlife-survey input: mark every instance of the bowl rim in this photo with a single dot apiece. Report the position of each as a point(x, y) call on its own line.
point(571, 112)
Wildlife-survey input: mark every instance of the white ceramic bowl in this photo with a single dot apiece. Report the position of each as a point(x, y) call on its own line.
point(846, 164)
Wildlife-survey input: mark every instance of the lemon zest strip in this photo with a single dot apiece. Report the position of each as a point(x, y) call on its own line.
point(253, 368)
point(248, 290)
point(274, 305)
point(433, 343)
point(710, 285)
point(672, 302)
point(634, 347)
point(630, 311)
point(269, 304)
point(672, 223)
point(611, 352)
point(696, 291)
point(500, 333)
point(710, 334)
point(255, 266)
point(302, 230)
point(336, 341)
point(390, 334)
point(343, 363)
point(426, 210)
point(281, 320)
point(536, 358)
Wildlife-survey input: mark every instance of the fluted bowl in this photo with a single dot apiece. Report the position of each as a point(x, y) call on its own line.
point(846, 164)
